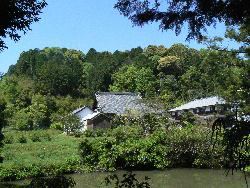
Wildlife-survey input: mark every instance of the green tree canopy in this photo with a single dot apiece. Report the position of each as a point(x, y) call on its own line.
point(173, 14)
point(133, 79)
point(54, 70)
point(2, 124)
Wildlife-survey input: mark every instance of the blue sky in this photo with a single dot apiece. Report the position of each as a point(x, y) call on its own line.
point(85, 24)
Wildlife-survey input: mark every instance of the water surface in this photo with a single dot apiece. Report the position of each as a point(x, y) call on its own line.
point(174, 178)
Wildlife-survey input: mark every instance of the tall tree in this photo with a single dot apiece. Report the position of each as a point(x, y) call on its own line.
point(54, 70)
point(197, 14)
point(131, 78)
point(2, 123)
point(16, 16)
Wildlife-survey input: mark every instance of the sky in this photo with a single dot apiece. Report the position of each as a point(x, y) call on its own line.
point(85, 24)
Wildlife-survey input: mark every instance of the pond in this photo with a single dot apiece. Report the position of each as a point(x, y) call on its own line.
point(174, 178)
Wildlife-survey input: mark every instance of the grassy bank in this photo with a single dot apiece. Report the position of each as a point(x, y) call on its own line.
point(38, 153)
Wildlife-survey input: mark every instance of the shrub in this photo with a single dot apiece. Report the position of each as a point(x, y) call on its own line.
point(97, 153)
point(22, 139)
point(89, 133)
point(8, 139)
point(72, 124)
point(123, 133)
point(125, 148)
point(57, 126)
point(192, 146)
point(94, 133)
point(22, 120)
point(187, 117)
point(47, 137)
point(35, 137)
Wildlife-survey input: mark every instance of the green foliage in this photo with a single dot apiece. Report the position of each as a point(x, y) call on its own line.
point(39, 111)
point(236, 137)
point(35, 137)
point(2, 124)
point(55, 156)
point(175, 14)
point(22, 120)
point(94, 133)
point(134, 79)
point(72, 124)
point(22, 139)
point(12, 136)
point(240, 34)
point(34, 116)
point(63, 107)
point(192, 146)
point(187, 118)
point(45, 86)
point(8, 139)
point(57, 71)
point(128, 147)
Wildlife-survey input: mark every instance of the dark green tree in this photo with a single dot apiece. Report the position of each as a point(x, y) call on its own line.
point(16, 16)
point(57, 71)
point(197, 14)
point(2, 124)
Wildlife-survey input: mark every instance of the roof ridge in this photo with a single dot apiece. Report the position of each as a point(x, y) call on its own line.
point(80, 108)
point(117, 93)
point(216, 99)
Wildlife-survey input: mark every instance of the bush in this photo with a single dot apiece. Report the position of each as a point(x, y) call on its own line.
point(8, 139)
point(72, 124)
point(123, 133)
point(192, 146)
point(22, 120)
point(41, 135)
point(94, 133)
point(22, 139)
point(125, 148)
point(57, 126)
point(35, 137)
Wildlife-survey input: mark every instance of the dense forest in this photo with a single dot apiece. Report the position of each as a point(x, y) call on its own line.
point(44, 85)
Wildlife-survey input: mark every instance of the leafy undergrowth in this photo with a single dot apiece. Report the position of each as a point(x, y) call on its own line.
point(248, 169)
point(125, 148)
point(39, 153)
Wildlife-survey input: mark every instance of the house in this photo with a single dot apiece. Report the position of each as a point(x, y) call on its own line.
point(91, 119)
point(108, 104)
point(201, 107)
point(96, 120)
point(82, 112)
point(120, 103)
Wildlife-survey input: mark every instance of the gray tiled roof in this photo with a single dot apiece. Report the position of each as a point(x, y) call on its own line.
point(79, 109)
point(120, 102)
point(210, 101)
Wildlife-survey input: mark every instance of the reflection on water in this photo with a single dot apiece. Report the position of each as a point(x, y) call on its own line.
point(175, 178)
